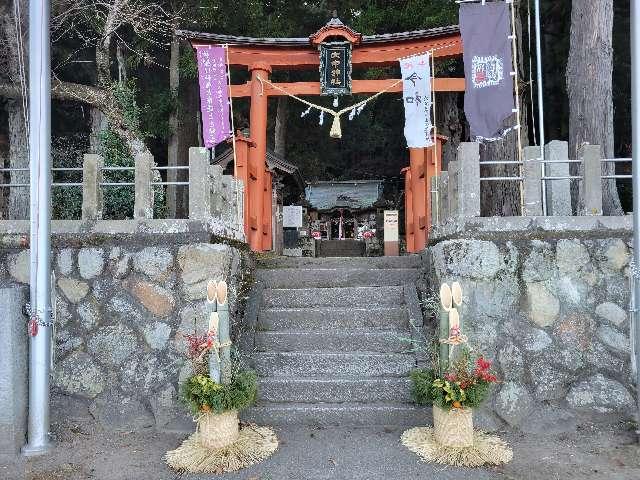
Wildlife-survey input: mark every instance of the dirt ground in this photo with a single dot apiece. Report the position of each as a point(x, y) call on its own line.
point(590, 451)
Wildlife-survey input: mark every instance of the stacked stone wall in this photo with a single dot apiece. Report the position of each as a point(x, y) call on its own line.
point(550, 305)
point(122, 304)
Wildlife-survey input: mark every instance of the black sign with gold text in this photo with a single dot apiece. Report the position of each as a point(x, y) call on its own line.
point(335, 68)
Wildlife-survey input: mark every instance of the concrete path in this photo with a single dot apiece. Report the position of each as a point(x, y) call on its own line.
point(605, 452)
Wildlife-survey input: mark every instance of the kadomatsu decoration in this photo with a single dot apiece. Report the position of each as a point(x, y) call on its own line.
point(215, 393)
point(455, 386)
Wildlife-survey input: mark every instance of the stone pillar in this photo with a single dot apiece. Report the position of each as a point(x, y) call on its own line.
point(443, 198)
point(469, 179)
point(532, 183)
point(143, 202)
point(199, 184)
point(558, 191)
point(434, 182)
point(218, 201)
point(419, 197)
point(452, 189)
point(258, 157)
point(91, 189)
point(241, 210)
point(592, 179)
point(408, 211)
point(242, 172)
point(14, 374)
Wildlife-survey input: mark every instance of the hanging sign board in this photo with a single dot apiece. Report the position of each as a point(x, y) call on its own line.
point(335, 68)
point(292, 216)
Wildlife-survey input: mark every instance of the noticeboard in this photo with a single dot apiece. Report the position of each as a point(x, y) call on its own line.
point(292, 216)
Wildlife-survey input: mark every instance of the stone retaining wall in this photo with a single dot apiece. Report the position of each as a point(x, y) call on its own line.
point(549, 302)
point(122, 301)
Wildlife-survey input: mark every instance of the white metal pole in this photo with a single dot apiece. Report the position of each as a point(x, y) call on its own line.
point(40, 215)
point(635, 114)
point(540, 104)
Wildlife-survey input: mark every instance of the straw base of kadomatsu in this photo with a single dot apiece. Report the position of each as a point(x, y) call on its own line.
point(253, 445)
point(485, 450)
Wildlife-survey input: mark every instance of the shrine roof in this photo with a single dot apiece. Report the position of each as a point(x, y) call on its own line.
point(274, 162)
point(352, 194)
point(215, 38)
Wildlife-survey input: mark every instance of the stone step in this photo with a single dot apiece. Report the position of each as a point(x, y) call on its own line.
point(344, 414)
point(335, 277)
point(340, 248)
point(335, 297)
point(334, 341)
point(329, 318)
point(302, 364)
point(335, 389)
point(407, 261)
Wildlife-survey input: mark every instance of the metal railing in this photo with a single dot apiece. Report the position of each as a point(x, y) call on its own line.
point(53, 184)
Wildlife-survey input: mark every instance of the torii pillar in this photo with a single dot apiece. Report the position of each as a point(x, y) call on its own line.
point(424, 163)
point(259, 213)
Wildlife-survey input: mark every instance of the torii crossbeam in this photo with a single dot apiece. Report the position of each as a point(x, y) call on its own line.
point(263, 55)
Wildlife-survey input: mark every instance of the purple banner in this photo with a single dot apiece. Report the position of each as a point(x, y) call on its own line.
point(488, 97)
point(214, 95)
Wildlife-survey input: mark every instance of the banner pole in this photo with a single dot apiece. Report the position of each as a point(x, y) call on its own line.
point(540, 105)
point(516, 79)
point(239, 214)
point(634, 272)
point(435, 142)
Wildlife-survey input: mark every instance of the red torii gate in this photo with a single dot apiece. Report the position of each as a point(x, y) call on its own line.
point(262, 55)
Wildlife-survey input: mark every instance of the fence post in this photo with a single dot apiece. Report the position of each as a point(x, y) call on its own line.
point(240, 214)
point(218, 196)
point(469, 179)
point(199, 184)
point(143, 202)
point(443, 194)
point(532, 182)
point(91, 190)
point(452, 189)
point(433, 191)
point(558, 191)
point(592, 181)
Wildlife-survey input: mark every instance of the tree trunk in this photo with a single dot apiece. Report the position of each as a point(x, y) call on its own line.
point(99, 123)
point(18, 158)
point(122, 64)
point(280, 136)
point(449, 124)
point(172, 147)
point(589, 85)
point(502, 198)
point(103, 63)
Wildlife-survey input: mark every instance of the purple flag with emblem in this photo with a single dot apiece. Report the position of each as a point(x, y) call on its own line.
point(214, 94)
point(488, 98)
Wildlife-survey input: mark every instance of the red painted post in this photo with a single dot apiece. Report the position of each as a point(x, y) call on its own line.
point(408, 211)
point(267, 214)
point(419, 197)
point(257, 155)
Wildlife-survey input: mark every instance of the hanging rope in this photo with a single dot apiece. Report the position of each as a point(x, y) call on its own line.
point(336, 130)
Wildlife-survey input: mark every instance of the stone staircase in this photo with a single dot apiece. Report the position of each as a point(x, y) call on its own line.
point(328, 342)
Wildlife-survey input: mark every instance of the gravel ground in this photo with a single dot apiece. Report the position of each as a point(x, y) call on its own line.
point(591, 451)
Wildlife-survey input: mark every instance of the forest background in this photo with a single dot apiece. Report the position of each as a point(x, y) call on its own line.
point(124, 84)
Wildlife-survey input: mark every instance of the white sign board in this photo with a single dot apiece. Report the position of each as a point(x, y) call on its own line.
point(391, 225)
point(292, 216)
